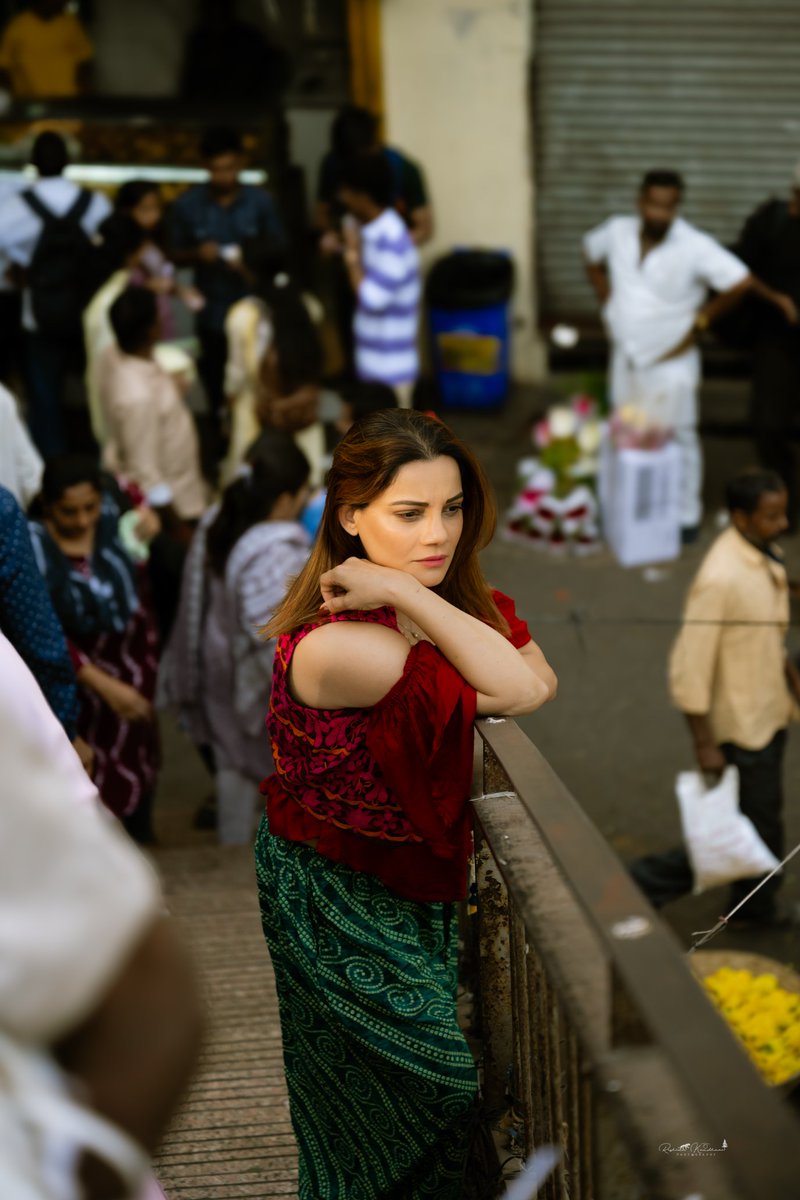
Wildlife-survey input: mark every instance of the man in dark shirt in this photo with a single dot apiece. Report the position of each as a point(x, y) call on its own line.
point(219, 227)
point(355, 131)
point(228, 59)
point(770, 245)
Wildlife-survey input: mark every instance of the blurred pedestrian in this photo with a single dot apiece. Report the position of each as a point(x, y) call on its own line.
point(100, 1017)
point(152, 440)
point(11, 345)
point(20, 461)
point(227, 59)
point(355, 131)
point(209, 228)
point(359, 400)
point(389, 642)
point(45, 52)
point(731, 678)
point(383, 266)
point(28, 620)
point(150, 434)
point(119, 248)
point(141, 200)
point(770, 245)
point(103, 604)
point(219, 664)
point(652, 274)
point(45, 231)
point(288, 393)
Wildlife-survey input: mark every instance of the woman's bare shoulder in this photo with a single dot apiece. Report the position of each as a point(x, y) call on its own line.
point(347, 664)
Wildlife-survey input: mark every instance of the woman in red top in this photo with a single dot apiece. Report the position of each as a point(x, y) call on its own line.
point(389, 643)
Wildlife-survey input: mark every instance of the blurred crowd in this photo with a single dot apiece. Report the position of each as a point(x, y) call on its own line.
point(170, 404)
point(46, 51)
point(170, 398)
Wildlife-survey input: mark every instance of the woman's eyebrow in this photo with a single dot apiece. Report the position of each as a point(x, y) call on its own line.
point(424, 503)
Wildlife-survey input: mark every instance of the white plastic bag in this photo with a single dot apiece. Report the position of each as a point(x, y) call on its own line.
point(722, 844)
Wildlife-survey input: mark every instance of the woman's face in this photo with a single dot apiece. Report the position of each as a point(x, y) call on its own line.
point(148, 211)
point(416, 523)
point(76, 513)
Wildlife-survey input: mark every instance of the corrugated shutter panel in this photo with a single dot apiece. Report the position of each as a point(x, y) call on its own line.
point(710, 88)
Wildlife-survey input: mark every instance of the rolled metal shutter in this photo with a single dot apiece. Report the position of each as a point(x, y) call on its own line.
point(710, 88)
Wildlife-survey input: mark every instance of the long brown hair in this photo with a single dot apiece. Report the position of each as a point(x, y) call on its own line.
point(365, 463)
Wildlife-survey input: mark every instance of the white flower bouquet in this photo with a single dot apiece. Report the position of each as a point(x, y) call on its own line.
point(556, 507)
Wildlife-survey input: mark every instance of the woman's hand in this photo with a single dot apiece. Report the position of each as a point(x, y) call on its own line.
point(85, 753)
point(351, 235)
point(121, 697)
point(127, 702)
point(207, 252)
point(359, 585)
point(148, 525)
point(330, 243)
point(191, 296)
point(162, 285)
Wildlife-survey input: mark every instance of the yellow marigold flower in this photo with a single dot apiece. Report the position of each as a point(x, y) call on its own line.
point(764, 1016)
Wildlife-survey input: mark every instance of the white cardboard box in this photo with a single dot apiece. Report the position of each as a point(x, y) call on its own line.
point(639, 500)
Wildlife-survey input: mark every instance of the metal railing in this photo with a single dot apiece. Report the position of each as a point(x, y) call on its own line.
point(595, 1032)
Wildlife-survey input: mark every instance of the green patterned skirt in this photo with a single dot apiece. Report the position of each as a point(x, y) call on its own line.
point(382, 1085)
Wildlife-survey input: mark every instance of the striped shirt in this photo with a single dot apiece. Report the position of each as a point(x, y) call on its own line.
point(386, 318)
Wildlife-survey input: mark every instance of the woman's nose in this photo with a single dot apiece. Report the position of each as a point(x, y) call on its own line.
point(434, 529)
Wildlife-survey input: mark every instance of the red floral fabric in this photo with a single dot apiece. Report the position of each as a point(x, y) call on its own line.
point(383, 789)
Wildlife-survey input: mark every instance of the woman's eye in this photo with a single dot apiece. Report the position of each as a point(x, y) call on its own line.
point(409, 516)
point(454, 508)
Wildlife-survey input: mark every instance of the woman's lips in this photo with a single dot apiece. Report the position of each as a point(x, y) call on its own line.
point(435, 560)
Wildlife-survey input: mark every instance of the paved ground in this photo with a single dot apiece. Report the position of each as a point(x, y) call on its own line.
point(232, 1137)
point(611, 735)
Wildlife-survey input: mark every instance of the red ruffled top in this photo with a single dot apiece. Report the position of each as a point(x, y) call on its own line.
point(382, 789)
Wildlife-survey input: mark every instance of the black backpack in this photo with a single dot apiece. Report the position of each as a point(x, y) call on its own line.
point(57, 275)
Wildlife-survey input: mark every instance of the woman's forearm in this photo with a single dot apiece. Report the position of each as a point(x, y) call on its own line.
point(506, 682)
point(95, 679)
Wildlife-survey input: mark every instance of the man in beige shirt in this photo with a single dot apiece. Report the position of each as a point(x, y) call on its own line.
point(730, 676)
point(151, 433)
point(151, 439)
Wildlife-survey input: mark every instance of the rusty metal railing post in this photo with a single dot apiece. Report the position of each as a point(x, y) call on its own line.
point(495, 978)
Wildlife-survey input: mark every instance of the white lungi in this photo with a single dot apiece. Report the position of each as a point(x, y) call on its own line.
point(667, 392)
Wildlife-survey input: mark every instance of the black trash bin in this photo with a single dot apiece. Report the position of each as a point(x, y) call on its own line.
point(468, 294)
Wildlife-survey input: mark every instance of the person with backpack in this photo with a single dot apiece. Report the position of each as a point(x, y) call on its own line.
point(46, 233)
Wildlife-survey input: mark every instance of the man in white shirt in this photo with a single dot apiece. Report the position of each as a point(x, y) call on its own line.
point(652, 274)
point(49, 357)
